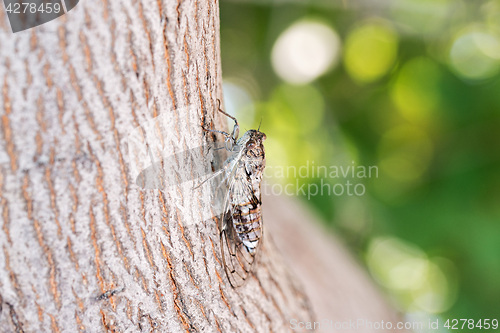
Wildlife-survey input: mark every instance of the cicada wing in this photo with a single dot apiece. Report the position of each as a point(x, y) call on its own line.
point(238, 261)
point(237, 258)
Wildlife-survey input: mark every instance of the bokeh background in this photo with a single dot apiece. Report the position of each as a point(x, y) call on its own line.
point(409, 86)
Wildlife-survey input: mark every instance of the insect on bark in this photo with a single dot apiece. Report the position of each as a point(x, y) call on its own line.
point(241, 223)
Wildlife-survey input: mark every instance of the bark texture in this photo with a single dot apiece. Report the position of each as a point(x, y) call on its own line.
point(83, 248)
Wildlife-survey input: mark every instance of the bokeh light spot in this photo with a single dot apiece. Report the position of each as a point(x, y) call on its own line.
point(423, 16)
point(416, 90)
point(405, 153)
point(305, 105)
point(475, 54)
point(370, 51)
point(420, 283)
point(238, 103)
point(293, 117)
point(433, 293)
point(305, 51)
point(389, 260)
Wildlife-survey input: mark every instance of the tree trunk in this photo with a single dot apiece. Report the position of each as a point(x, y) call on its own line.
point(83, 247)
point(88, 101)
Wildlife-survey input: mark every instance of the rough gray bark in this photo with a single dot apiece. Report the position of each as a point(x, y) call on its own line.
point(83, 248)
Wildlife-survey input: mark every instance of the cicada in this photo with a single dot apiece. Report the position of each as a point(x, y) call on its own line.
point(241, 224)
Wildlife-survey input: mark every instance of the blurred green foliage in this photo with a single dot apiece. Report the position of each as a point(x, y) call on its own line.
point(415, 91)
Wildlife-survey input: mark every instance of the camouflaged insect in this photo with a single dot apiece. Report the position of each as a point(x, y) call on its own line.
point(241, 223)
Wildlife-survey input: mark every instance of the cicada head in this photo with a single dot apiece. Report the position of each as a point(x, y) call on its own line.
point(252, 140)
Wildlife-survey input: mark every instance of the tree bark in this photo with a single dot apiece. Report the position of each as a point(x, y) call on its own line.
point(83, 247)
